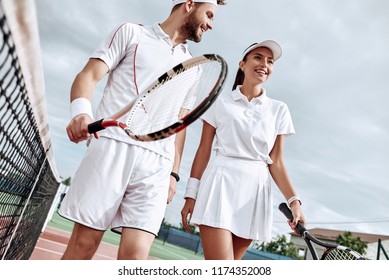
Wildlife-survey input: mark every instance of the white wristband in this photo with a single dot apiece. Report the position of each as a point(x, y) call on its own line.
point(192, 188)
point(293, 199)
point(79, 106)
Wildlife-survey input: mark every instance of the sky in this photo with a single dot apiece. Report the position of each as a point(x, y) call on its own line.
point(333, 76)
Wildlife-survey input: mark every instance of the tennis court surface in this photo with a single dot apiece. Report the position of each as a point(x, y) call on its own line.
point(52, 243)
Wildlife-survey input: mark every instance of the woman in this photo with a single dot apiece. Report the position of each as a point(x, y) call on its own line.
point(230, 198)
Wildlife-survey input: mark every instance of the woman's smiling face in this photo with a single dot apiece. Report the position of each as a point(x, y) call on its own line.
point(258, 65)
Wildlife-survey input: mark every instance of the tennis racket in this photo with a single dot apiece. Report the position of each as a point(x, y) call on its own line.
point(332, 251)
point(154, 114)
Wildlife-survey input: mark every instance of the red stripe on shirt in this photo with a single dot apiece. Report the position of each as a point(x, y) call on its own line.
point(113, 37)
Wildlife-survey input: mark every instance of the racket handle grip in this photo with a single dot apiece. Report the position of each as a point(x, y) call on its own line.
point(283, 207)
point(96, 126)
point(286, 211)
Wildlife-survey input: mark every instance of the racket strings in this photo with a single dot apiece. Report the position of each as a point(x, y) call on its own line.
point(340, 254)
point(162, 107)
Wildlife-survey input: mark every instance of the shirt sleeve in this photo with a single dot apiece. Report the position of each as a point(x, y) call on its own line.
point(113, 49)
point(285, 126)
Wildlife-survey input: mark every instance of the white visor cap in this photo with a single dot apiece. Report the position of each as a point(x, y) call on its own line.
point(270, 44)
point(175, 2)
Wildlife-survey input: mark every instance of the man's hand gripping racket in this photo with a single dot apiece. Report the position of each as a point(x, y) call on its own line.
point(332, 251)
point(154, 115)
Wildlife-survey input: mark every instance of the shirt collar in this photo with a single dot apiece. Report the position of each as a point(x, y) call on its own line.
point(237, 95)
point(159, 32)
point(163, 36)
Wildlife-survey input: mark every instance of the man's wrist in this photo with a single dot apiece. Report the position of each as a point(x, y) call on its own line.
point(80, 106)
point(175, 175)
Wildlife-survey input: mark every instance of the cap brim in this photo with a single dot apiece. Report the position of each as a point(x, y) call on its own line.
point(176, 2)
point(270, 44)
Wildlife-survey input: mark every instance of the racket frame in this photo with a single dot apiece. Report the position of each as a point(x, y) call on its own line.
point(309, 238)
point(181, 124)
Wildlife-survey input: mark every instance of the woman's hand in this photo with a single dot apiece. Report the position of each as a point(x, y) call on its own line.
point(297, 216)
point(186, 211)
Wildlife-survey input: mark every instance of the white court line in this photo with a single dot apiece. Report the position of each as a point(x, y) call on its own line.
point(51, 241)
point(61, 244)
point(47, 250)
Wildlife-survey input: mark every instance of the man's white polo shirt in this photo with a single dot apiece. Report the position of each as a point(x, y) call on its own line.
point(136, 56)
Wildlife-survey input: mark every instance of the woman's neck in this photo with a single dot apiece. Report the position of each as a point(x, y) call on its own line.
point(251, 91)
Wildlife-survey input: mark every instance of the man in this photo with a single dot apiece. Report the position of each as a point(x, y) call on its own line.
point(122, 183)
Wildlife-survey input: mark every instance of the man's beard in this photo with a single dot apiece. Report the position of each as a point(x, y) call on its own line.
point(190, 28)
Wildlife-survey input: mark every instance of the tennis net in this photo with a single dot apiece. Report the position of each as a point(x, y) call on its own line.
point(28, 176)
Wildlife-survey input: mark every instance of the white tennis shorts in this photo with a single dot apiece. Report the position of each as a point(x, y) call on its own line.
point(118, 185)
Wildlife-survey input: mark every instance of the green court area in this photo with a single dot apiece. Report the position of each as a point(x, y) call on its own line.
point(159, 250)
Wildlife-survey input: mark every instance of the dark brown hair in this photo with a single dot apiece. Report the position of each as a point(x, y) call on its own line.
point(239, 78)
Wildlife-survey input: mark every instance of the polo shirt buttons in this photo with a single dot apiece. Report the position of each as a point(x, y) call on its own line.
point(249, 112)
point(252, 107)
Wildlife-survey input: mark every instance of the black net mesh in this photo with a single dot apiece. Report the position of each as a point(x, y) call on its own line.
point(27, 183)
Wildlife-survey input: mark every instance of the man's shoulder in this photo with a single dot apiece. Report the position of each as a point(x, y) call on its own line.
point(131, 26)
point(130, 30)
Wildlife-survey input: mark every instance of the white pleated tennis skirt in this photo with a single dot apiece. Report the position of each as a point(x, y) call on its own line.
point(235, 194)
